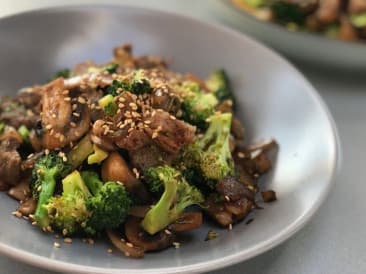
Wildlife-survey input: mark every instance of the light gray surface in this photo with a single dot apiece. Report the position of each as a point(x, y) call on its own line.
point(334, 241)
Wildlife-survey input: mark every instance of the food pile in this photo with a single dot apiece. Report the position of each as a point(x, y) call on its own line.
point(341, 19)
point(124, 149)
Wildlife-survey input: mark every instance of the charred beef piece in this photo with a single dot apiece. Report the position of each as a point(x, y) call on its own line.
point(15, 114)
point(10, 160)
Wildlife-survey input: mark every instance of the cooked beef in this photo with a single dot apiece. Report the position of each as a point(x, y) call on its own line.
point(150, 156)
point(232, 189)
point(15, 114)
point(10, 166)
point(169, 133)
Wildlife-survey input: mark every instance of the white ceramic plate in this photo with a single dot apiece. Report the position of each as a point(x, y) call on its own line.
point(274, 100)
point(302, 46)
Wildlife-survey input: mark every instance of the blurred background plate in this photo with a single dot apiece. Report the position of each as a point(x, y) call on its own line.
point(300, 46)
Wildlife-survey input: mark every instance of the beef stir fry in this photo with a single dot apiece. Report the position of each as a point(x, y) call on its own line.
point(125, 148)
point(341, 19)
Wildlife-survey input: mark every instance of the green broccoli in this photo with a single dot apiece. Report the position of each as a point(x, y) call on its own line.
point(111, 68)
point(210, 154)
point(139, 84)
point(65, 73)
point(288, 13)
point(109, 204)
point(68, 213)
point(358, 20)
point(2, 127)
point(47, 170)
point(218, 83)
point(24, 132)
point(177, 196)
point(197, 106)
point(116, 87)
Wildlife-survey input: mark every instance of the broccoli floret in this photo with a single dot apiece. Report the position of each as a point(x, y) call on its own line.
point(218, 83)
point(24, 132)
point(177, 196)
point(47, 170)
point(288, 13)
point(139, 84)
point(68, 213)
point(117, 86)
point(358, 20)
point(197, 106)
point(2, 127)
point(108, 104)
point(210, 154)
point(111, 68)
point(109, 204)
point(65, 73)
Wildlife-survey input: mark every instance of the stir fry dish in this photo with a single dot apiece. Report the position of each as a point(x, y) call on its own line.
point(341, 19)
point(131, 150)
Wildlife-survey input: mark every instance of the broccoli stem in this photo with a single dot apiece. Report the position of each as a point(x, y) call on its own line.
point(80, 152)
point(73, 183)
point(92, 181)
point(153, 221)
point(48, 188)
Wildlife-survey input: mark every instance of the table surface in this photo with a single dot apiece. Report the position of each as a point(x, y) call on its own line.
point(334, 241)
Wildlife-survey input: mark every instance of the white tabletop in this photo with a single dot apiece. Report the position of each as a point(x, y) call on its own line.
point(335, 239)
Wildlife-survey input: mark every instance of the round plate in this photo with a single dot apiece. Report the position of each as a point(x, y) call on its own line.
point(274, 100)
point(302, 46)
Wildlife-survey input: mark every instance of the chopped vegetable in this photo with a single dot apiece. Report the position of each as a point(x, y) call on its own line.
point(98, 156)
point(177, 196)
point(24, 132)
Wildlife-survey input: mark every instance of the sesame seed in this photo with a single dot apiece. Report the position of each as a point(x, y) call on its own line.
point(65, 92)
point(46, 151)
point(64, 231)
point(76, 114)
point(176, 245)
point(172, 117)
point(81, 100)
point(127, 254)
point(39, 188)
point(72, 124)
point(30, 155)
point(129, 244)
point(154, 135)
point(230, 226)
point(74, 106)
point(109, 250)
point(167, 232)
point(241, 154)
point(147, 122)
point(34, 223)
point(68, 240)
point(123, 240)
point(227, 198)
point(54, 115)
point(56, 244)
point(52, 131)
point(67, 99)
